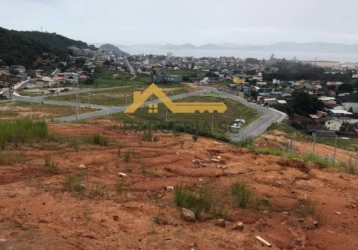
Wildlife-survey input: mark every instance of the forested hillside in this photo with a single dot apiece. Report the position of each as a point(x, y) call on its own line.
point(25, 47)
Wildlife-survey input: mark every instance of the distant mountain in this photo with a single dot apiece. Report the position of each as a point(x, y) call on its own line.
point(283, 46)
point(111, 48)
point(25, 47)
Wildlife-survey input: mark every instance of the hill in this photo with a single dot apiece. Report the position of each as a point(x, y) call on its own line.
point(24, 47)
point(111, 48)
point(73, 198)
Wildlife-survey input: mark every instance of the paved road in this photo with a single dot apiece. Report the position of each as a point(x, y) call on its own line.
point(269, 116)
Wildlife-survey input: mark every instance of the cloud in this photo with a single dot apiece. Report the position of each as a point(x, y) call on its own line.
point(256, 30)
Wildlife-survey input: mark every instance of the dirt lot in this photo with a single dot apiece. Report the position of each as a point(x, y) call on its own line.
point(16, 110)
point(138, 212)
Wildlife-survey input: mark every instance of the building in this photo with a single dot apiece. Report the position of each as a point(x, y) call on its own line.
point(333, 124)
point(167, 78)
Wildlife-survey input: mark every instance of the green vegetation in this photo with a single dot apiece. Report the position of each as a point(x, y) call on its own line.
point(128, 155)
point(147, 136)
point(197, 123)
point(23, 110)
point(304, 208)
point(74, 183)
point(50, 164)
point(242, 194)
point(119, 187)
point(24, 47)
point(186, 198)
point(98, 139)
point(12, 158)
point(117, 96)
point(290, 131)
point(21, 131)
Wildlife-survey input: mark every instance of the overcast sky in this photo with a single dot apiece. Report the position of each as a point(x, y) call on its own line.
point(187, 21)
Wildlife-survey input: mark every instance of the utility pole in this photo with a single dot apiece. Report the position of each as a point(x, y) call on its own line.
point(77, 103)
point(356, 159)
point(314, 141)
point(31, 108)
point(335, 151)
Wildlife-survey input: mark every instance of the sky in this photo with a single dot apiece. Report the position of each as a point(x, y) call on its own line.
point(126, 22)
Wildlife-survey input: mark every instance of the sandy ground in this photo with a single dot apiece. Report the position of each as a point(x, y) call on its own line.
point(37, 213)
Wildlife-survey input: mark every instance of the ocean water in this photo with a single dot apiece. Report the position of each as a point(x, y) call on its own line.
point(302, 56)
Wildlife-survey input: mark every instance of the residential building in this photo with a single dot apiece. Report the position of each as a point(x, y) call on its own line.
point(333, 124)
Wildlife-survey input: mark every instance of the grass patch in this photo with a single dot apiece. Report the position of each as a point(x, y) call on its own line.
point(75, 183)
point(50, 164)
point(147, 136)
point(12, 158)
point(20, 131)
point(98, 139)
point(128, 155)
point(304, 208)
point(119, 187)
point(95, 192)
point(242, 195)
point(196, 202)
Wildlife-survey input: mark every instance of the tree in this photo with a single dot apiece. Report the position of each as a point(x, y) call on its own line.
point(305, 104)
point(345, 88)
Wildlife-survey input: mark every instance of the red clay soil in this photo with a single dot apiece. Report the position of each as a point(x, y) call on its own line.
point(138, 212)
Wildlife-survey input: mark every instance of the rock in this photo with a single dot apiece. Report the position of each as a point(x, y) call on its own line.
point(215, 160)
point(82, 166)
point(220, 223)
point(123, 175)
point(315, 223)
point(169, 187)
point(218, 157)
point(238, 226)
point(188, 215)
point(115, 217)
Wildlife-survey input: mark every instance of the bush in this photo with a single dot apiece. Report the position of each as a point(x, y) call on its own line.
point(195, 138)
point(246, 143)
point(242, 195)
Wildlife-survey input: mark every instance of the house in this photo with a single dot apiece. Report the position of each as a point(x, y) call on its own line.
point(261, 83)
point(333, 124)
point(4, 72)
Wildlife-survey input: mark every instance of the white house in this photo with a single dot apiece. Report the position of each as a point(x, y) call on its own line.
point(333, 124)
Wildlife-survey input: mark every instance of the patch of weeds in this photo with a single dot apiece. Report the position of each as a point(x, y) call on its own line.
point(246, 143)
point(348, 168)
point(12, 158)
point(50, 164)
point(242, 195)
point(119, 187)
point(74, 143)
point(304, 208)
point(74, 183)
point(196, 202)
point(128, 155)
point(147, 136)
point(98, 139)
point(95, 192)
point(156, 218)
point(264, 206)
